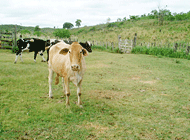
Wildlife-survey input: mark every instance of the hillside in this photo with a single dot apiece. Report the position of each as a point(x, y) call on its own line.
point(147, 30)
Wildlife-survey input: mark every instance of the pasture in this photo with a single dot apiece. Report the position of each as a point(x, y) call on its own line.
point(125, 96)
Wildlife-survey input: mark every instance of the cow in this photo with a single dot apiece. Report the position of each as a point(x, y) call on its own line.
point(87, 45)
point(32, 45)
point(68, 62)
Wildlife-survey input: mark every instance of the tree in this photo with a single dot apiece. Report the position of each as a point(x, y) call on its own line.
point(38, 33)
point(67, 25)
point(108, 20)
point(25, 31)
point(119, 20)
point(124, 19)
point(78, 22)
point(62, 33)
point(37, 28)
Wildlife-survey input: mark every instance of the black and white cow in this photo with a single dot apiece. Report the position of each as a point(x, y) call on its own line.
point(87, 45)
point(32, 45)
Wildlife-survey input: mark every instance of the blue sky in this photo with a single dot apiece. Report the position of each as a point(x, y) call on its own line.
point(50, 13)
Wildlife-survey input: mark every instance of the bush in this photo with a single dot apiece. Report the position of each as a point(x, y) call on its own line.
point(38, 33)
point(81, 30)
point(167, 52)
point(62, 33)
point(92, 29)
point(15, 49)
point(25, 31)
point(112, 25)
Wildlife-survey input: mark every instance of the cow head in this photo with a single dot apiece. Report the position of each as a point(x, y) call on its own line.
point(21, 43)
point(87, 45)
point(76, 53)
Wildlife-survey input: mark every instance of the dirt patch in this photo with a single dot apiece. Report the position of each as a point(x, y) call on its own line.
point(108, 94)
point(98, 65)
point(135, 78)
point(148, 82)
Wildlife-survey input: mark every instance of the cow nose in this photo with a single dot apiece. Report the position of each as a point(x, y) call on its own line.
point(75, 67)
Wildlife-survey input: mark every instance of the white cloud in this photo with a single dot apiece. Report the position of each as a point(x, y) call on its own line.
point(50, 13)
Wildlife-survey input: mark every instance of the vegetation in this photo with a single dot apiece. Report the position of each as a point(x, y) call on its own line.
point(62, 33)
point(167, 52)
point(175, 28)
point(25, 32)
point(78, 23)
point(68, 25)
point(124, 97)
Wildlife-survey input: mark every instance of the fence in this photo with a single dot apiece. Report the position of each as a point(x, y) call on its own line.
point(175, 46)
point(124, 45)
point(7, 40)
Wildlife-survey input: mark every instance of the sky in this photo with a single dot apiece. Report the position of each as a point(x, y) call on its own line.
point(54, 13)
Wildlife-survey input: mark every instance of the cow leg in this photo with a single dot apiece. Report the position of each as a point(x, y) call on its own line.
point(17, 54)
point(63, 85)
point(35, 55)
point(50, 82)
point(21, 57)
point(67, 90)
point(47, 54)
point(16, 59)
point(43, 59)
point(79, 94)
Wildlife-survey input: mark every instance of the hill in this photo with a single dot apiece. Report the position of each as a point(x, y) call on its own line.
point(147, 31)
point(173, 28)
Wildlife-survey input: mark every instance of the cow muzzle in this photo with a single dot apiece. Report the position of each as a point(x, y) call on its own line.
point(75, 67)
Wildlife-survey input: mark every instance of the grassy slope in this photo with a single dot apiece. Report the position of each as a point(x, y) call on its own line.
point(147, 31)
point(124, 96)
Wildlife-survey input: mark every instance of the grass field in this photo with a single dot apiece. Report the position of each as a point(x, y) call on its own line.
point(125, 96)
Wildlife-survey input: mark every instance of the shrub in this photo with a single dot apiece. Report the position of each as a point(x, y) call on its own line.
point(92, 29)
point(15, 49)
point(62, 33)
point(167, 52)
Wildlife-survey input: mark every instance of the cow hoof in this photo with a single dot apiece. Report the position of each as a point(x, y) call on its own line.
point(14, 62)
point(51, 97)
point(43, 61)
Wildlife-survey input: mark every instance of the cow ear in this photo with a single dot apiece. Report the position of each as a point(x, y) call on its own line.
point(85, 52)
point(64, 51)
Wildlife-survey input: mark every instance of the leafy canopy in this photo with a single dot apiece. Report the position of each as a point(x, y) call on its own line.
point(67, 25)
point(62, 33)
point(78, 22)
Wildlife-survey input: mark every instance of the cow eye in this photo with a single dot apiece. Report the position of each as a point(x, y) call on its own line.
point(69, 51)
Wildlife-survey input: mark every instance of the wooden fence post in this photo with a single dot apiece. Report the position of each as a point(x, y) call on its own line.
point(112, 45)
point(135, 40)
point(15, 44)
point(175, 47)
point(119, 39)
point(187, 49)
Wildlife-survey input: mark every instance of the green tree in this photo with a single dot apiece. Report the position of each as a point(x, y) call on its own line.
point(124, 19)
point(38, 33)
point(67, 25)
point(108, 20)
point(37, 28)
point(25, 31)
point(62, 33)
point(78, 22)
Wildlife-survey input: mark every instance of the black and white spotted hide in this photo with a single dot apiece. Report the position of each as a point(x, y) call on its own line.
point(31, 45)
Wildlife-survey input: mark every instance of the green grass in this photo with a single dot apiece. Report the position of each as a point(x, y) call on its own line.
point(157, 51)
point(125, 96)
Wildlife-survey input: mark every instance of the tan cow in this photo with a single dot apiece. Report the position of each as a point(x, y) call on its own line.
point(67, 61)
